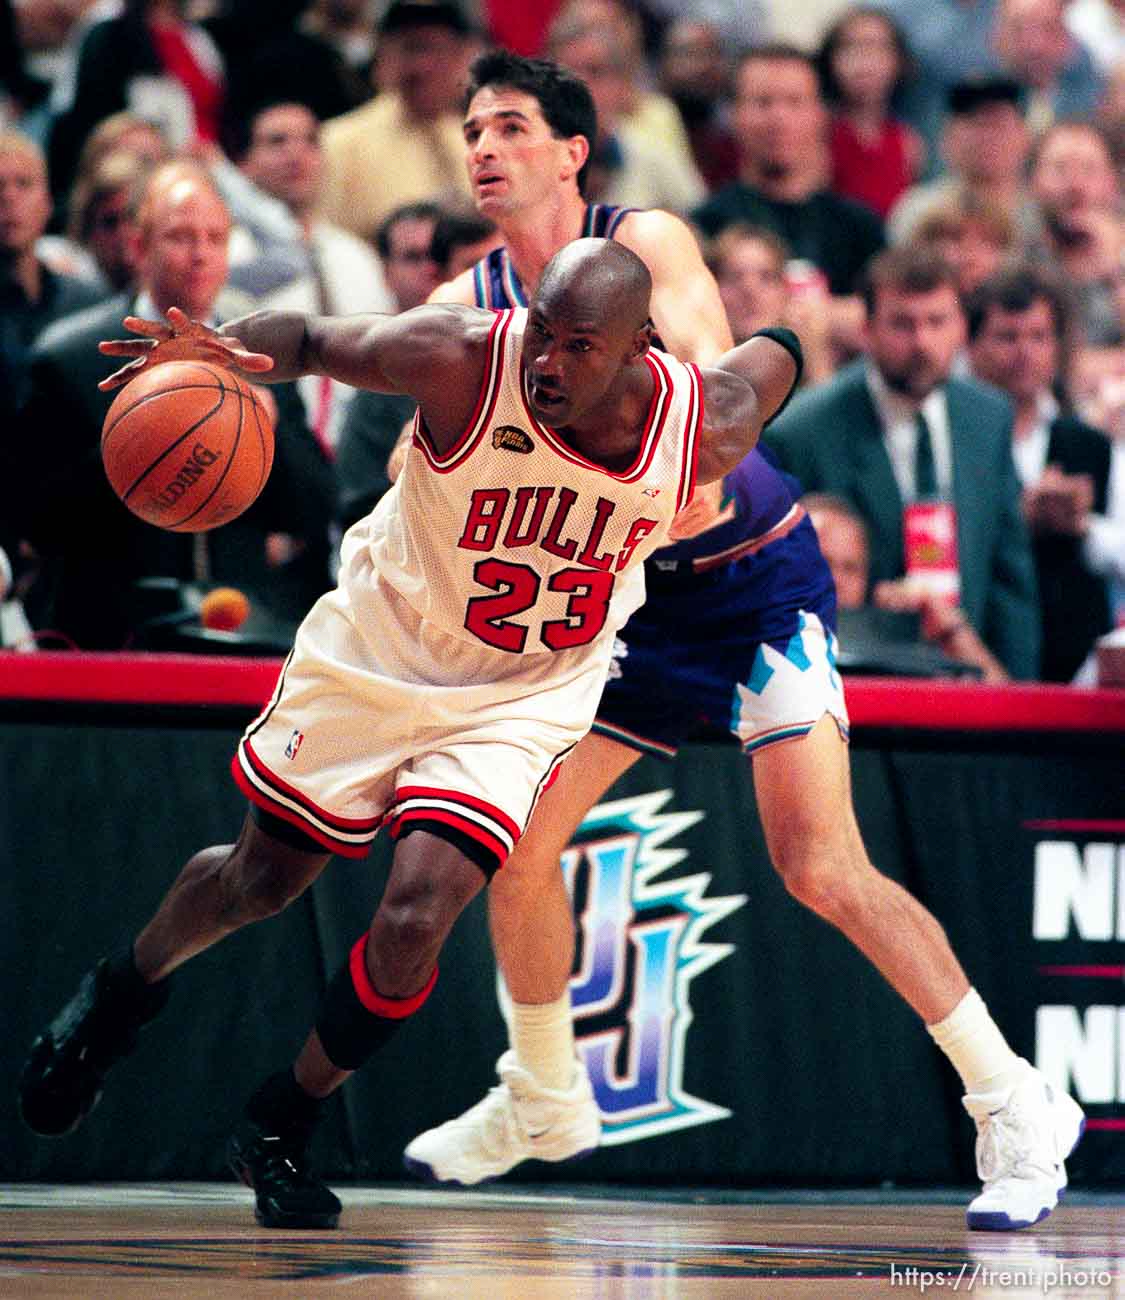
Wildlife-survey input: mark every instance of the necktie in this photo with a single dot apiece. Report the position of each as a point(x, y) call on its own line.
point(925, 476)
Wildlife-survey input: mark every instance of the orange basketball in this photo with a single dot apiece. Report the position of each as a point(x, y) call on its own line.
point(187, 445)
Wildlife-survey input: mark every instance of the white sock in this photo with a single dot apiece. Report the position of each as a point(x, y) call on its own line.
point(543, 1039)
point(977, 1049)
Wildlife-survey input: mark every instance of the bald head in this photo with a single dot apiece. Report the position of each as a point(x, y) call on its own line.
point(598, 279)
point(587, 333)
point(25, 201)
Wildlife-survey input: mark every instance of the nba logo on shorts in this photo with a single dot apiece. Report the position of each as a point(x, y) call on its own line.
point(294, 744)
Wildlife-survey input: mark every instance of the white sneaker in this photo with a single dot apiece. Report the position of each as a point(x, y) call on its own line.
point(519, 1120)
point(1023, 1137)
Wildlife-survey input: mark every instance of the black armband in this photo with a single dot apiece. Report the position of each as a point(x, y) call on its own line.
point(792, 344)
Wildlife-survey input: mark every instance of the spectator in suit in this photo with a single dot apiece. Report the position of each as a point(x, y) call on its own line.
point(1019, 324)
point(781, 124)
point(403, 146)
point(32, 295)
point(282, 156)
point(894, 431)
point(93, 549)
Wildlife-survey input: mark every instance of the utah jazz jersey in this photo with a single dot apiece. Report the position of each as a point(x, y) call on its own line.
point(495, 281)
point(511, 537)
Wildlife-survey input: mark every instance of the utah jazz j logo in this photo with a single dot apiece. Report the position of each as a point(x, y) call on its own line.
point(639, 948)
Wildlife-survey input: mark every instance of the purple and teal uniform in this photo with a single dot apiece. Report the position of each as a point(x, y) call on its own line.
point(738, 628)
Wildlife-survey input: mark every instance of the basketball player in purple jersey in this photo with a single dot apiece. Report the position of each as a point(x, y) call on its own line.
point(743, 585)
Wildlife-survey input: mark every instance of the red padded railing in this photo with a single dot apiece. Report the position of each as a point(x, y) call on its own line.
point(873, 702)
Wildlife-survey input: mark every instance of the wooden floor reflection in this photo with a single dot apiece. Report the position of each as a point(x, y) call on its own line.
point(200, 1240)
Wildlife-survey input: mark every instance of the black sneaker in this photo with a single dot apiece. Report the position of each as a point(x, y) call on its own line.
point(63, 1077)
point(287, 1195)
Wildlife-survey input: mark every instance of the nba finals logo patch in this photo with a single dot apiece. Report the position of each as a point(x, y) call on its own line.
point(507, 437)
point(295, 741)
point(641, 945)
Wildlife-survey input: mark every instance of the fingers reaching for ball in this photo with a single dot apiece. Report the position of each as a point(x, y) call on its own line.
point(180, 339)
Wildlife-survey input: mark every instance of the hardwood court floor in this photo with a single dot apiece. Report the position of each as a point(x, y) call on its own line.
point(121, 1242)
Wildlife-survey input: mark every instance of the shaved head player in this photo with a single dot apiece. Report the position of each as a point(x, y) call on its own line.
point(459, 661)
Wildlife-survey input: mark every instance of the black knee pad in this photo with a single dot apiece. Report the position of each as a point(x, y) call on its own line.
point(355, 1018)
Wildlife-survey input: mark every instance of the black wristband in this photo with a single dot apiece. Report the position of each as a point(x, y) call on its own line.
point(792, 344)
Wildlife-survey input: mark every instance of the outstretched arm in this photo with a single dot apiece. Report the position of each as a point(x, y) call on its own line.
point(389, 354)
point(433, 353)
point(746, 388)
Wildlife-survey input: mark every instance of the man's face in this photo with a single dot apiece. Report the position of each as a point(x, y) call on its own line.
point(112, 238)
point(184, 248)
point(1017, 350)
point(973, 251)
point(25, 204)
point(778, 115)
point(285, 157)
point(692, 60)
point(426, 65)
point(752, 286)
point(411, 273)
point(591, 57)
point(1032, 39)
point(843, 544)
point(988, 144)
point(1074, 174)
point(572, 355)
point(914, 337)
point(513, 159)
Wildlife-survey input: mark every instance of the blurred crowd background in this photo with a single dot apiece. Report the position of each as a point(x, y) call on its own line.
point(835, 160)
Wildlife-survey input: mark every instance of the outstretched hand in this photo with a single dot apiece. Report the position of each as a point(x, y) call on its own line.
point(177, 338)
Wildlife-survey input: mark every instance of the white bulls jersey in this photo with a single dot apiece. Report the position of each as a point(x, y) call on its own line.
point(513, 539)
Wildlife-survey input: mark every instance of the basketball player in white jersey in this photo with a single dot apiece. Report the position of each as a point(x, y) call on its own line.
point(458, 662)
point(527, 125)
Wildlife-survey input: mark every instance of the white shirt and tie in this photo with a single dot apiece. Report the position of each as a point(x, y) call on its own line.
point(899, 417)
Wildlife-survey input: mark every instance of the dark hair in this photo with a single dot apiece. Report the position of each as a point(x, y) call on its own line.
point(240, 129)
point(909, 268)
point(564, 99)
point(1017, 288)
point(829, 86)
point(978, 92)
point(455, 230)
point(717, 250)
point(777, 52)
point(424, 211)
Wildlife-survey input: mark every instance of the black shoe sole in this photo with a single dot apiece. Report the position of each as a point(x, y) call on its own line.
point(47, 1109)
point(268, 1214)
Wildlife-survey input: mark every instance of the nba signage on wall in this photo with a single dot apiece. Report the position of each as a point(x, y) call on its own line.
point(640, 929)
point(1078, 924)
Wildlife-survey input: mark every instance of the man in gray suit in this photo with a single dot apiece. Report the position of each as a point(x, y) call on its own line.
point(894, 430)
point(53, 490)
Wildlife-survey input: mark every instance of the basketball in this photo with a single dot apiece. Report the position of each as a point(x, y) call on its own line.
point(187, 445)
